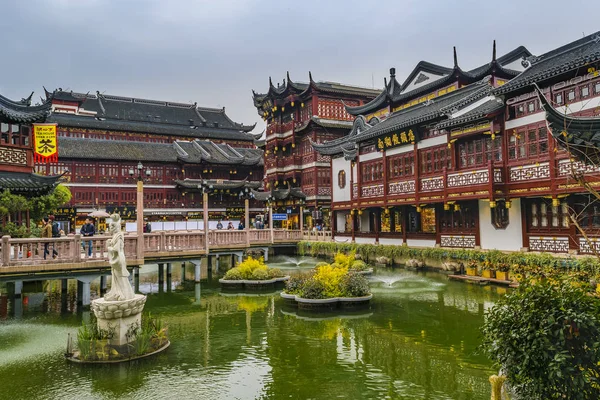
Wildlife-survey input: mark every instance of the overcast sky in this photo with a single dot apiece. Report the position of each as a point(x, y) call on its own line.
point(216, 52)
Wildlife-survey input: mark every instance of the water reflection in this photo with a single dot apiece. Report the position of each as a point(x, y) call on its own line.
point(418, 340)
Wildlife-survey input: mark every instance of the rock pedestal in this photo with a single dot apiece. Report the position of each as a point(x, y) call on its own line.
point(119, 316)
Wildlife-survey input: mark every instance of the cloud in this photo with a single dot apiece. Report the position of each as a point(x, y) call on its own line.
point(215, 52)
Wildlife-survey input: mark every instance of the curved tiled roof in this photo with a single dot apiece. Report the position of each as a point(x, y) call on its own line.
point(566, 58)
point(424, 112)
point(27, 183)
point(196, 184)
point(152, 116)
point(76, 121)
point(22, 112)
point(448, 76)
point(581, 137)
point(482, 111)
point(198, 151)
point(279, 194)
point(302, 89)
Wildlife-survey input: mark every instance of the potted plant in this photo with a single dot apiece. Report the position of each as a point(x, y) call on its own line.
point(472, 268)
point(502, 271)
point(488, 269)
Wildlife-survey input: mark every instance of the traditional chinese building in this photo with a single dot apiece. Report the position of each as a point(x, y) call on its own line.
point(102, 138)
point(465, 158)
point(297, 113)
point(16, 152)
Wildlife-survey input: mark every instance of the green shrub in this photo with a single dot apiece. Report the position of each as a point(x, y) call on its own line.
point(261, 274)
point(234, 274)
point(354, 285)
point(546, 337)
point(312, 289)
point(295, 283)
point(359, 265)
point(275, 273)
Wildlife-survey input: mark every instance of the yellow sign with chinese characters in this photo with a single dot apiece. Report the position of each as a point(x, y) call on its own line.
point(395, 139)
point(470, 129)
point(45, 143)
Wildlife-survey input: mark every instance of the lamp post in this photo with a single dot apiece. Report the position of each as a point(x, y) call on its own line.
point(270, 205)
point(301, 203)
point(206, 188)
point(246, 194)
point(140, 206)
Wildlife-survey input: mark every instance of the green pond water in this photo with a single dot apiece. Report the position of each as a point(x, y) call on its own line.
point(418, 340)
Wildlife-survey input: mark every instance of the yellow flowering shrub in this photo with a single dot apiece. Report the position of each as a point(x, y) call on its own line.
point(330, 277)
point(250, 268)
point(342, 260)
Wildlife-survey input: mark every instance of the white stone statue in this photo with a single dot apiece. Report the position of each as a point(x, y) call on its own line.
point(120, 286)
point(120, 308)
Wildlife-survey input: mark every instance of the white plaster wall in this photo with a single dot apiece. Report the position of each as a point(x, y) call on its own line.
point(434, 141)
point(371, 156)
point(583, 105)
point(510, 238)
point(472, 106)
point(354, 173)
point(420, 243)
point(432, 78)
point(399, 150)
point(515, 65)
point(364, 240)
point(397, 242)
point(341, 221)
point(337, 165)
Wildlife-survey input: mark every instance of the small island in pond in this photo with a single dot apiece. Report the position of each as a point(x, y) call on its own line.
point(330, 286)
point(252, 273)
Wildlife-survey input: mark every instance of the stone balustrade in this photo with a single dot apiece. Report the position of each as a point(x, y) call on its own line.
point(317, 236)
point(73, 249)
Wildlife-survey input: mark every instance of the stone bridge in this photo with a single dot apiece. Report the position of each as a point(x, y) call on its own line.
point(26, 256)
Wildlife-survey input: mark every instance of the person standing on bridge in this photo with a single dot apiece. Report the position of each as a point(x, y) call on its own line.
point(47, 233)
point(88, 230)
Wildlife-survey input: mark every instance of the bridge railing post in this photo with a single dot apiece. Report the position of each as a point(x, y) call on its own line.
point(5, 250)
point(76, 250)
point(162, 241)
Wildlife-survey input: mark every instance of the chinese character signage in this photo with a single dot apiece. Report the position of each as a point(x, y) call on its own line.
point(471, 129)
point(65, 212)
point(395, 139)
point(235, 212)
point(124, 211)
point(45, 145)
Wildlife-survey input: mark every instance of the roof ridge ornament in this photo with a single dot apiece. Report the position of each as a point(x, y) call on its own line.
point(494, 51)
point(455, 57)
point(182, 153)
point(198, 147)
